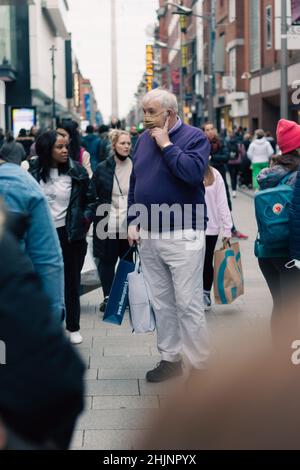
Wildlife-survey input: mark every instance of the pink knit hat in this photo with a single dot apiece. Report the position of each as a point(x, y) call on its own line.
point(288, 136)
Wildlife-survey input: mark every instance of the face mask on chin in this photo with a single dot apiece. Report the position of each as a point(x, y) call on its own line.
point(122, 158)
point(154, 121)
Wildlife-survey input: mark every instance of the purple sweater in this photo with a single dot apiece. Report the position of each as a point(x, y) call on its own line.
point(171, 176)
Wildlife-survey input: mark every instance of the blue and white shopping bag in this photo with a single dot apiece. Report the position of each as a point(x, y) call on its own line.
point(118, 297)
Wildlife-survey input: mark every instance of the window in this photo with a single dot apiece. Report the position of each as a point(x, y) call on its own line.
point(269, 27)
point(232, 11)
point(232, 67)
point(7, 36)
point(255, 45)
point(220, 54)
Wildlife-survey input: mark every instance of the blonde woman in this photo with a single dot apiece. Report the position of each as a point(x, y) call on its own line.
point(219, 219)
point(111, 185)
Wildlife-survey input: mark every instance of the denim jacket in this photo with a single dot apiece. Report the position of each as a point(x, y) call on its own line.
point(21, 193)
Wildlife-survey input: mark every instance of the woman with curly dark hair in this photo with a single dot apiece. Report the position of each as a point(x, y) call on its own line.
point(78, 153)
point(66, 186)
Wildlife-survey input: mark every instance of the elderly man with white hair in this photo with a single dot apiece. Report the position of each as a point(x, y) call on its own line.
point(169, 163)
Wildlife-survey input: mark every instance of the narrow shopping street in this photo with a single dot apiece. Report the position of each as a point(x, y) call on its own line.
point(150, 174)
point(118, 400)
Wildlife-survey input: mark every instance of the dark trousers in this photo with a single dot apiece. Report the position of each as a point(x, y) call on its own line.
point(208, 271)
point(73, 255)
point(114, 250)
point(222, 169)
point(234, 172)
point(284, 285)
point(246, 172)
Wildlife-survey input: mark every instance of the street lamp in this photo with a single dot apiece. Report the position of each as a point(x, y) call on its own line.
point(181, 10)
point(163, 45)
point(53, 50)
point(184, 10)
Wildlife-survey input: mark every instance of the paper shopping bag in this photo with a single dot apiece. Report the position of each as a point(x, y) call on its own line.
point(228, 274)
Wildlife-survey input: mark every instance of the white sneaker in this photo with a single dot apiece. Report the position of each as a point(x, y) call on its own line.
point(75, 337)
point(234, 194)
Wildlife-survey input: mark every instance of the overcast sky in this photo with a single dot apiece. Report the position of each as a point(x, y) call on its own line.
point(89, 23)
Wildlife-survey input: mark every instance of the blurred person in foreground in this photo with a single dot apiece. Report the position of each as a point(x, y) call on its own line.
point(247, 400)
point(169, 164)
point(25, 200)
point(41, 376)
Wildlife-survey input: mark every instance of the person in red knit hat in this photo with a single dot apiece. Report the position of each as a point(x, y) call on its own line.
point(288, 137)
point(283, 283)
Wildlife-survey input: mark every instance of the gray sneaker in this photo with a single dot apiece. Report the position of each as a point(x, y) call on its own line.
point(164, 370)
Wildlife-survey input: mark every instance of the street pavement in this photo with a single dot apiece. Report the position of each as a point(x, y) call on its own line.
point(118, 401)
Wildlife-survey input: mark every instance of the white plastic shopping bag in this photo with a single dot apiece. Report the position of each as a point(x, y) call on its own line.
point(89, 272)
point(141, 313)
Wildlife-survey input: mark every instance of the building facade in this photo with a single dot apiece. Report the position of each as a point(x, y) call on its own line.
point(264, 24)
point(170, 56)
point(31, 35)
point(248, 61)
point(14, 60)
point(89, 107)
point(230, 42)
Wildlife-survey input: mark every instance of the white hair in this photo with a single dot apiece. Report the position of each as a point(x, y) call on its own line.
point(167, 99)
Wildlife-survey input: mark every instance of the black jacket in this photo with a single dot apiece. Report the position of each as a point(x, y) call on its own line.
point(103, 180)
point(219, 157)
point(82, 203)
point(41, 376)
point(102, 187)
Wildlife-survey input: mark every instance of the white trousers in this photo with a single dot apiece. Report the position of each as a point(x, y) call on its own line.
point(173, 272)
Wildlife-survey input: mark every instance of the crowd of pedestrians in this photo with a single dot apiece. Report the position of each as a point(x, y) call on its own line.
point(52, 184)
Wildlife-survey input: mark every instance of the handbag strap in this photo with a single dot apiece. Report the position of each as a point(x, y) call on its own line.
point(119, 186)
point(132, 248)
point(226, 244)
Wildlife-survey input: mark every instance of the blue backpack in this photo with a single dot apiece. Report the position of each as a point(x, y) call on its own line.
point(272, 207)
